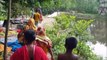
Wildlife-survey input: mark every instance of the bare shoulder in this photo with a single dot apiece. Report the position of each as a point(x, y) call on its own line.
point(67, 57)
point(75, 57)
point(60, 56)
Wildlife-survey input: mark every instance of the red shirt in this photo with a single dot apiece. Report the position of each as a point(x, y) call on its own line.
point(22, 54)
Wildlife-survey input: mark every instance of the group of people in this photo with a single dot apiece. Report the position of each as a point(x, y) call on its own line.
point(37, 45)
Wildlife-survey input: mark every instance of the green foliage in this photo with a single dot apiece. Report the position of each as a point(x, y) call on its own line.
point(20, 7)
point(66, 26)
point(85, 52)
point(50, 6)
point(84, 6)
point(37, 4)
point(87, 6)
point(57, 39)
point(2, 18)
point(63, 21)
point(2, 10)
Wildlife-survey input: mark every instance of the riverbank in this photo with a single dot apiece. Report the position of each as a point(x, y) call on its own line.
point(48, 21)
point(99, 25)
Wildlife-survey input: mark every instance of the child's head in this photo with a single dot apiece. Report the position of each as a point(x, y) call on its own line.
point(71, 43)
point(37, 10)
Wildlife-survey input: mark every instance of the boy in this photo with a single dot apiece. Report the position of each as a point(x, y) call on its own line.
point(70, 44)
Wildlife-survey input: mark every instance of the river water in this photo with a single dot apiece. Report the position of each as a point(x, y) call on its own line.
point(99, 31)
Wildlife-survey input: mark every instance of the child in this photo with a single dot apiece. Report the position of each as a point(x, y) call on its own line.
point(70, 44)
point(37, 16)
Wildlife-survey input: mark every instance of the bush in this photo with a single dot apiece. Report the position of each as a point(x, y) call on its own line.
point(66, 26)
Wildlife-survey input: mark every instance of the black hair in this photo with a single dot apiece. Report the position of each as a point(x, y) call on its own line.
point(38, 10)
point(71, 43)
point(29, 36)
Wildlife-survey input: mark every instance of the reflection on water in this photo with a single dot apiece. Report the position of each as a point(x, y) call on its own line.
point(99, 31)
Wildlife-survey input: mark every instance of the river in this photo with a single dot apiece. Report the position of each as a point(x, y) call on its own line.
point(99, 31)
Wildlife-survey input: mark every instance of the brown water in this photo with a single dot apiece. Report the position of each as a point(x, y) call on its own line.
point(99, 31)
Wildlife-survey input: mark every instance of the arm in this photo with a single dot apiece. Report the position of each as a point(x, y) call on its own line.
point(34, 16)
point(59, 58)
point(77, 58)
point(50, 51)
point(41, 19)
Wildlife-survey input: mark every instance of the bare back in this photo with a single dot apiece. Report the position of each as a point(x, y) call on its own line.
point(67, 57)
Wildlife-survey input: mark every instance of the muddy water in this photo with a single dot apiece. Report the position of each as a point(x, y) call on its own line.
point(99, 31)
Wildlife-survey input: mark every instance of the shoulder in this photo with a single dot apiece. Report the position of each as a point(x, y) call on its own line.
point(40, 53)
point(60, 56)
point(36, 13)
point(75, 57)
point(38, 49)
point(17, 54)
point(20, 50)
point(23, 47)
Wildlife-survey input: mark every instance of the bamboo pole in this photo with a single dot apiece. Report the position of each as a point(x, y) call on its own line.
point(7, 28)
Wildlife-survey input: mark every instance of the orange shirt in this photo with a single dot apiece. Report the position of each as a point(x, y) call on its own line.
point(30, 24)
point(36, 16)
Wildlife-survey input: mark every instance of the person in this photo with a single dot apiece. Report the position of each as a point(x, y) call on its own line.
point(44, 42)
point(29, 51)
point(70, 44)
point(30, 25)
point(40, 11)
point(37, 16)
